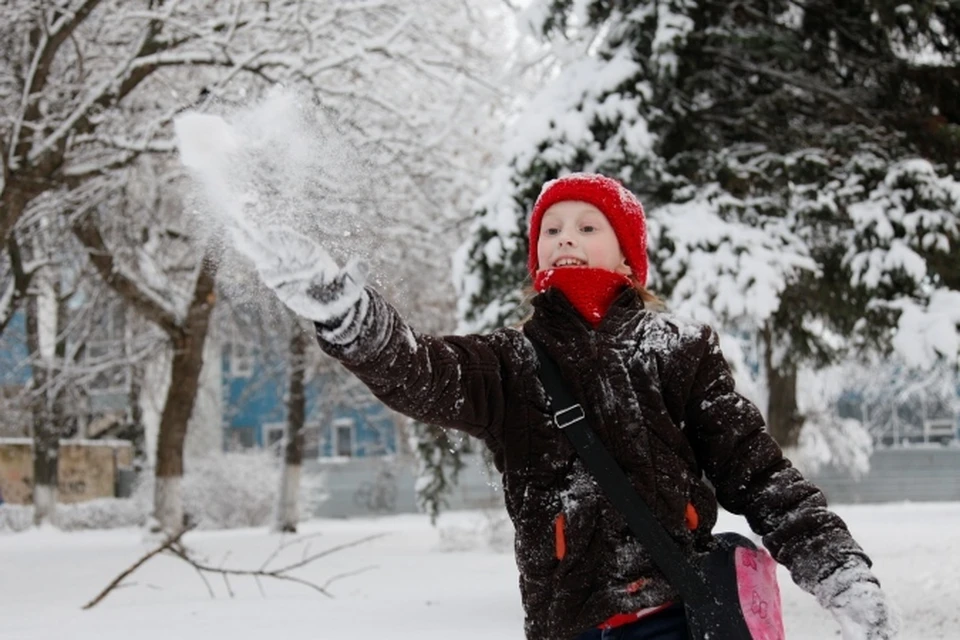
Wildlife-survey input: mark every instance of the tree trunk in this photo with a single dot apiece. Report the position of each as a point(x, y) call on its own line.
point(46, 319)
point(181, 396)
point(48, 413)
point(46, 439)
point(135, 431)
point(783, 416)
point(13, 204)
point(288, 513)
point(187, 338)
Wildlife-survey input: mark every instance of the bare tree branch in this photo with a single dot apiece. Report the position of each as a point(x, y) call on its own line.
point(110, 91)
point(173, 545)
point(274, 573)
point(169, 543)
point(40, 71)
point(10, 300)
point(150, 305)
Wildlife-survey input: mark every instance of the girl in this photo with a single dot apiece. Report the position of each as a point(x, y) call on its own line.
point(657, 391)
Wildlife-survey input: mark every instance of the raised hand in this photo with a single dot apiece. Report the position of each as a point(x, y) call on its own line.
point(302, 273)
point(297, 268)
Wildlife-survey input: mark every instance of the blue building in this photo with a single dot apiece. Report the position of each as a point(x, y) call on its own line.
point(14, 376)
point(254, 386)
point(14, 372)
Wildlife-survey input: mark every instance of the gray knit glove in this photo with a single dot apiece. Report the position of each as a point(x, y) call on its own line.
point(854, 597)
point(303, 275)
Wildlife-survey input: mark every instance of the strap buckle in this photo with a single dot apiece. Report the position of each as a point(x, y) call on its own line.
point(566, 417)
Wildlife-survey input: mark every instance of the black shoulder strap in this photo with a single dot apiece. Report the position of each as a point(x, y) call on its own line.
point(570, 417)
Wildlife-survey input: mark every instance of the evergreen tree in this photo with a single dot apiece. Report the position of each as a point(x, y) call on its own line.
point(439, 457)
point(798, 163)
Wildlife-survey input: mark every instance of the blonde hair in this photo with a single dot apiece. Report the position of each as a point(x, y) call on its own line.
point(650, 299)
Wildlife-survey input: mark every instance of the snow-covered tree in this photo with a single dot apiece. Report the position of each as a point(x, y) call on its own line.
point(88, 89)
point(798, 165)
point(440, 460)
point(79, 350)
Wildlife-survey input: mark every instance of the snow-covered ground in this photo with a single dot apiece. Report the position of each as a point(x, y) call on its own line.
point(414, 582)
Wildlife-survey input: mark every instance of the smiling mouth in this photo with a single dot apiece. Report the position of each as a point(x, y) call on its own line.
point(569, 262)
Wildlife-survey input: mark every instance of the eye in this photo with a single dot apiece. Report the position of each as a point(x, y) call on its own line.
point(551, 231)
point(588, 228)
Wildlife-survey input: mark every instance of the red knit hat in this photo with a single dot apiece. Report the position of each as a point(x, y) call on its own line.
point(621, 208)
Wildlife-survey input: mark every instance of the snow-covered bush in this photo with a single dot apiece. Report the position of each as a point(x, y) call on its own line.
point(219, 492)
point(239, 490)
point(15, 517)
point(486, 529)
point(232, 490)
point(830, 441)
point(105, 513)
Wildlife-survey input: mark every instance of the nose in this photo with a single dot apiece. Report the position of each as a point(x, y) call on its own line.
point(565, 238)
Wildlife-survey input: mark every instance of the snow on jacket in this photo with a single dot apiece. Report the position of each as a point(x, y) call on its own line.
point(660, 396)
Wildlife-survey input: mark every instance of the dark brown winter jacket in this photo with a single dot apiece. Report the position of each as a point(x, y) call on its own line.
point(659, 394)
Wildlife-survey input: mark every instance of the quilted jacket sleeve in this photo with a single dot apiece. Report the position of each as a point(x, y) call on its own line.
point(452, 381)
point(752, 477)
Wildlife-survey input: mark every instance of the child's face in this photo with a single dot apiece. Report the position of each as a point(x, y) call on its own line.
point(577, 234)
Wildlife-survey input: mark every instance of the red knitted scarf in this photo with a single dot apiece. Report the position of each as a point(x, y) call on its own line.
point(590, 290)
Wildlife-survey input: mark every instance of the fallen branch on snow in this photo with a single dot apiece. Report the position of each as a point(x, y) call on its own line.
point(173, 546)
point(172, 540)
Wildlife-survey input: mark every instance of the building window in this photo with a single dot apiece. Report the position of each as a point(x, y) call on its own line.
point(105, 356)
point(240, 438)
point(239, 358)
point(344, 438)
point(273, 436)
point(312, 441)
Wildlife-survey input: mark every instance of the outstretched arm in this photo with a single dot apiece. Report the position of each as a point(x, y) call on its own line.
point(452, 381)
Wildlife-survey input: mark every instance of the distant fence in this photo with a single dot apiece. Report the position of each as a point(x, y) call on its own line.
point(86, 469)
point(371, 486)
point(929, 473)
